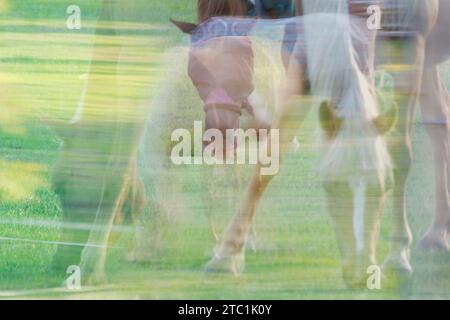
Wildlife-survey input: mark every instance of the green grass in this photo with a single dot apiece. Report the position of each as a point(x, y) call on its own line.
point(296, 258)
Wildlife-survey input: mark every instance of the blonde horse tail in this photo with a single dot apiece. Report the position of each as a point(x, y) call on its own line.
point(334, 65)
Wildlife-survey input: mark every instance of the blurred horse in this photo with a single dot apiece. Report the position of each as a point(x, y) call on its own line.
point(235, 80)
point(419, 32)
point(113, 172)
point(356, 167)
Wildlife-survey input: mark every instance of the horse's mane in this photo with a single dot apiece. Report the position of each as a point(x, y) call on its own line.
point(207, 9)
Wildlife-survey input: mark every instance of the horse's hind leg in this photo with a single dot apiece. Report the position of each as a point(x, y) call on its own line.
point(407, 87)
point(133, 203)
point(435, 104)
point(116, 189)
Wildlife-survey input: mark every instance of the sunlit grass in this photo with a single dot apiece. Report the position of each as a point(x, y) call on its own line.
point(4, 6)
point(21, 180)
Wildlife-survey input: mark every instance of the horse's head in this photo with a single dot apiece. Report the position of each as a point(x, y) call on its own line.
point(220, 65)
point(221, 70)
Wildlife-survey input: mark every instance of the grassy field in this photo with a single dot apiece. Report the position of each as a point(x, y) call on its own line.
point(42, 64)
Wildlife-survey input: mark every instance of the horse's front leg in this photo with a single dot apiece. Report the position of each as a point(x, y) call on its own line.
point(229, 258)
point(435, 104)
point(115, 194)
point(407, 88)
point(212, 197)
point(230, 255)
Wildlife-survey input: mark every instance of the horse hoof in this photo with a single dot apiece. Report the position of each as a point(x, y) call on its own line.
point(398, 265)
point(434, 242)
point(226, 265)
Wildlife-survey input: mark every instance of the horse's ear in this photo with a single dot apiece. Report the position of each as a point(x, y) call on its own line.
point(185, 27)
point(329, 121)
point(386, 121)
